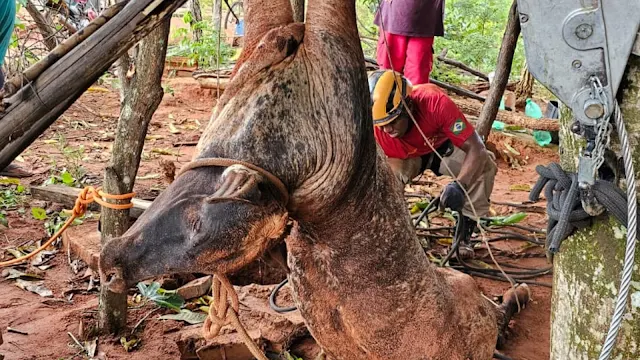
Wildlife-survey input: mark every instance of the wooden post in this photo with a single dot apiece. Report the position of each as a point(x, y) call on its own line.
point(298, 7)
point(36, 106)
point(588, 267)
point(503, 69)
point(142, 92)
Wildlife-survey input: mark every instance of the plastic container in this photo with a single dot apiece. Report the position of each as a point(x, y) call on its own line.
point(497, 125)
point(553, 112)
point(532, 110)
point(543, 138)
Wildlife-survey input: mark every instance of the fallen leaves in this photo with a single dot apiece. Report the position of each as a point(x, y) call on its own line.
point(520, 187)
point(160, 296)
point(189, 316)
point(165, 152)
point(36, 287)
point(173, 129)
point(16, 274)
point(129, 343)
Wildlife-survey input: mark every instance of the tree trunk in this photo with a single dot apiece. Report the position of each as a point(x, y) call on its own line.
point(47, 31)
point(142, 93)
point(37, 105)
point(588, 267)
point(217, 13)
point(524, 88)
point(503, 69)
point(298, 10)
point(196, 17)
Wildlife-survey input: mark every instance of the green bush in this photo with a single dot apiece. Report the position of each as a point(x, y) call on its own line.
point(204, 52)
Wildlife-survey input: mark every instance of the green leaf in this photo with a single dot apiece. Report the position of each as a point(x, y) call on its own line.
point(514, 218)
point(509, 220)
point(39, 213)
point(162, 297)
point(289, 356)
point(3, 220)
point(20, 189)
point(67, 179)
point(189, 316)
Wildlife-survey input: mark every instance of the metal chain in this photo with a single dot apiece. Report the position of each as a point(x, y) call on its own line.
point(603, 127)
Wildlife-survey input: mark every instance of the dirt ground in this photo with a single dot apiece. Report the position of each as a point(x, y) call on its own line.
point(46, 323)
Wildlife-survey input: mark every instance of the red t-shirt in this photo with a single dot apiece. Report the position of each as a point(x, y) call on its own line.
point(438, 117)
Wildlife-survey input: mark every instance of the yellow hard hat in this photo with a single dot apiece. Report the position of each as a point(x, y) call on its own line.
point(387, 89)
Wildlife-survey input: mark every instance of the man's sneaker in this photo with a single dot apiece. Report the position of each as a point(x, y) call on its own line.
point(464, 230)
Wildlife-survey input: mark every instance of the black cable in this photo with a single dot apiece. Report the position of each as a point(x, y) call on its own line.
point(501, 278)
point(564, 206)
point(433, 206)
point(272, 299)
point(500, 356)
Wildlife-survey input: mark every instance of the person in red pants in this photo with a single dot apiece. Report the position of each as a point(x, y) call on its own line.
point(409, 26)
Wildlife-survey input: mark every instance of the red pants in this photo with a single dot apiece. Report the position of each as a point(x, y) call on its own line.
point(412, 56)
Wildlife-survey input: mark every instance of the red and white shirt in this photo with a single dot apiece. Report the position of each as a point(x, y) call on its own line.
point(438, 117)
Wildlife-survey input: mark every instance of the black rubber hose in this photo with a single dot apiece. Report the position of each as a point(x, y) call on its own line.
point(272, 299)
point(501, 357)
point(433, 205)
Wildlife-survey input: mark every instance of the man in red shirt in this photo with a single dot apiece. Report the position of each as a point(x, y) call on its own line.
point(448, 131)
point(407, 29)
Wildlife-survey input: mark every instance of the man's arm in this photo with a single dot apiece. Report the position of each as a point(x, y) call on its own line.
point(474, 161)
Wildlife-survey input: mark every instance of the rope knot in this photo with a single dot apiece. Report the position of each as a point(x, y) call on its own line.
point(219, 313)
point(223, 311)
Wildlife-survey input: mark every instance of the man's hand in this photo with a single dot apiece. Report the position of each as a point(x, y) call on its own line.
point(452, 197)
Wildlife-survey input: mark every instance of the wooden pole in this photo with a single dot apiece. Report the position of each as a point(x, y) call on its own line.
point(503, 69)
point(35, 70)
point(470, 107)
point(142, 93)
point(36, 106)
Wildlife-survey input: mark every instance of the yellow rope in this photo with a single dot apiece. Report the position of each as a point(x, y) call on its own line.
point(88, 195)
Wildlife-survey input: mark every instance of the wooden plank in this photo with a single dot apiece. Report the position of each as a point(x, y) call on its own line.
point(67, 196)
point(470, 107)
point(38, 104)
point(503, 69)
